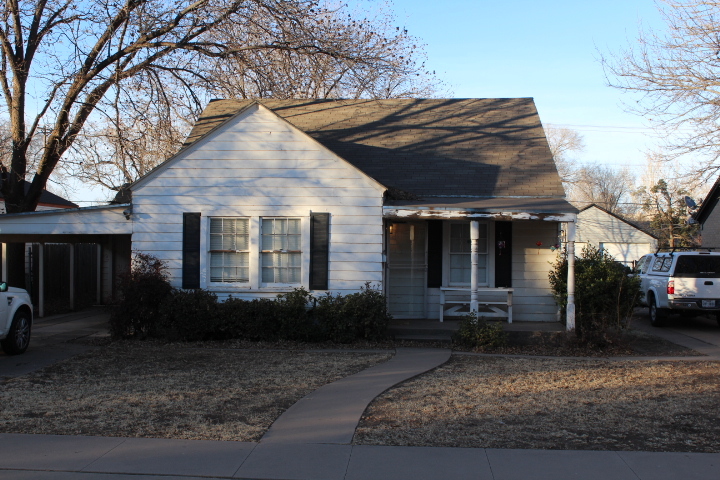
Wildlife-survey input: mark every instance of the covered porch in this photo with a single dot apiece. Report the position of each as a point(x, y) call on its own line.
point(490, 256)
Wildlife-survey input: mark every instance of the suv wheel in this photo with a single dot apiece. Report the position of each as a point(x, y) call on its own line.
point(18, 338)
point(657, 315)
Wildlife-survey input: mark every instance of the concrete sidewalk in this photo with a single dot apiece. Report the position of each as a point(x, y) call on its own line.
point(50, 457)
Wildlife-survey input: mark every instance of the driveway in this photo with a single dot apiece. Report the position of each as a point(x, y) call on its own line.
point(700, 333)
point(49, 341)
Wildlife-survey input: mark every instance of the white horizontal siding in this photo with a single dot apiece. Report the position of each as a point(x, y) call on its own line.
point(532, 297)
point(259, 166)
point(98, 221)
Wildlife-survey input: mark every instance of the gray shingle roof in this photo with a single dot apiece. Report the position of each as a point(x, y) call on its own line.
point(451, 147)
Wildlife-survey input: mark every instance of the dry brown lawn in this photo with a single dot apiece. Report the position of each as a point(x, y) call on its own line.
point(157, 390)
point(170, 391)
point(501, 402)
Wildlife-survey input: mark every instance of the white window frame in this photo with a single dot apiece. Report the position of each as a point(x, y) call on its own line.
point(301, 252)
point(247, 251)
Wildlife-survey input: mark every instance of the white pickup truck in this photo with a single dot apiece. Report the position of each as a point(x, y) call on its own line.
point(15, 319)
point(686, 282)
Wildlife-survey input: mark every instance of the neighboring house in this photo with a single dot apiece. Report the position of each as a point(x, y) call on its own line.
point(619, 237)
point(48, 201)
point(709, 217)
point(330, 195)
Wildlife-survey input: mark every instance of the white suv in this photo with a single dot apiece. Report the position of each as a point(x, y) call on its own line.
point(15, 319)
point(686, 282)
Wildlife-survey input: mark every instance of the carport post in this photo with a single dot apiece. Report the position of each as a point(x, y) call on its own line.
point(98, 299)
point(4, 263)
point(570, 321)
point(72, 276)
point(41, 281)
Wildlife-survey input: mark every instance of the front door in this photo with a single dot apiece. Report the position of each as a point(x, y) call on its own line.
point(407, 269)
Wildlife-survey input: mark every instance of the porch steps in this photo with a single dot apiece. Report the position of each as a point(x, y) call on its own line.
point(423, 330)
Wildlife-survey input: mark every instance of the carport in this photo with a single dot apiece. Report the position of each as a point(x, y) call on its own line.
point(109, 227)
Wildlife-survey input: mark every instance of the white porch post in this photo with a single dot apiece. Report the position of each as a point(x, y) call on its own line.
point(570, 322)
point(41, 281)
point(474, 236)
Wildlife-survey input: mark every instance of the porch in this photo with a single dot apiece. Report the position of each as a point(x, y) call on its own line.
point(442, 262)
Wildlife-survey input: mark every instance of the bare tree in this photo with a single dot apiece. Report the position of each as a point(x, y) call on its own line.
point(562, 142)
point(677, 74)
point(65, 65)
point(149, 115)
point(604, 186)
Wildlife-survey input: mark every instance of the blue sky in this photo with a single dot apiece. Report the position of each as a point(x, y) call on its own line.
point(547, 50)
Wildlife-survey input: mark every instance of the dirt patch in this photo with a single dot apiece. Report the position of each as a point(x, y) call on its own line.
point(170, 391)
point(497, 402)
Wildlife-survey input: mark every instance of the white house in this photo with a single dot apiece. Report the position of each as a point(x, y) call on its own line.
point(612, 233)
point(458, 199)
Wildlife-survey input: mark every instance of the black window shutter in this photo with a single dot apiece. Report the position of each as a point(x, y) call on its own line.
point(503, 254)
point(191, 250)
point(435, 253)
point(319, 250)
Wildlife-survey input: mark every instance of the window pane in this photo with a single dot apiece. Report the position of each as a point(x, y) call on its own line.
point(281, 267)
point(229, 267)
point(229, 234)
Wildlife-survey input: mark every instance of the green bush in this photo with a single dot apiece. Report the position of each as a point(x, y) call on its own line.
point(476, 332)
point(366, 311)
point(154, 309)
point(142, 289)
point(604, 294)
point(191, 315)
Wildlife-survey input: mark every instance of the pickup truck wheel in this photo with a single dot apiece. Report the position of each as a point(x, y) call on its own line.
point(18, 337)
point(657, 315)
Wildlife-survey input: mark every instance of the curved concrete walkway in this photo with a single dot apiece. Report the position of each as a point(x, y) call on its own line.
point(331, 413)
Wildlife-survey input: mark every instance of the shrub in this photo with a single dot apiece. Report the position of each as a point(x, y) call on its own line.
point(476, 332)
point(152, 308)
point(366, 312)
point(191, 315)
point(142, 288)
point(294, 321)
point(333, 324)
point(604, 294)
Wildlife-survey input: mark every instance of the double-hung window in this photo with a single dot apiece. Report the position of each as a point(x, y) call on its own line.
point(229, 250)
point(460, 261)
point(281, 250)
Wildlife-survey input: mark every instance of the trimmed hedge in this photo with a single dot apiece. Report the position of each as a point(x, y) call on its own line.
point(152, 308)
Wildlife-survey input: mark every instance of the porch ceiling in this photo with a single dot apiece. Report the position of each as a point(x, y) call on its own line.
point(499, 208)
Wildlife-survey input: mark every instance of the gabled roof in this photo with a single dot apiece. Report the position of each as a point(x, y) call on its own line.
point(461, 148)
point(622, 219)
point(47, 199)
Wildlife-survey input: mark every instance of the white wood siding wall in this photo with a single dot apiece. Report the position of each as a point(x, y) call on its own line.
point(532, 299)
point(624, 241)
point(93, 220)
point(257, 165)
